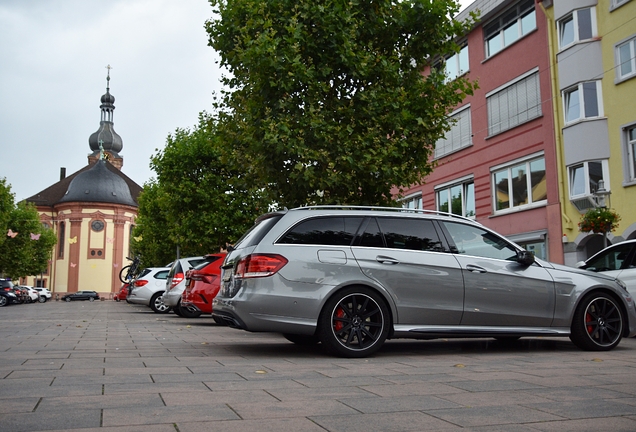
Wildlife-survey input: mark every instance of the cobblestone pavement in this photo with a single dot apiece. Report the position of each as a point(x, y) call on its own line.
point(107, 366)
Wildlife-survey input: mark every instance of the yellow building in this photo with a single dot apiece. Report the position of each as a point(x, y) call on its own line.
point(92, 213)
point(592, 47)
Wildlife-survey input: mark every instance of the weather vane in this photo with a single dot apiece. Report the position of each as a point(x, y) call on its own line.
point(109, 67)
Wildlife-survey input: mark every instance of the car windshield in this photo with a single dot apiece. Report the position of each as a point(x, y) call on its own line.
point(612, 259)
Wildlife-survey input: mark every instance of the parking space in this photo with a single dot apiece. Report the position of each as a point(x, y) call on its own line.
point(107, 366)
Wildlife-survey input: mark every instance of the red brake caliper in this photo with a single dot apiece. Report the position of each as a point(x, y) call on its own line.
point(338, 325)
point(588, 319)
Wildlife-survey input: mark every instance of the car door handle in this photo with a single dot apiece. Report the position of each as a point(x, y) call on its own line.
point(386, 260)
point(475, 268)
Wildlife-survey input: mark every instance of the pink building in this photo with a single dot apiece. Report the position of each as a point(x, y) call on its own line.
point(498, 162)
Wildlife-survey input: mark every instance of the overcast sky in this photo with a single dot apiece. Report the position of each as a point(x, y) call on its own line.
point(53, 58)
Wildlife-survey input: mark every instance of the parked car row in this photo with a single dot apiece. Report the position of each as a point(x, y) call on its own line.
point(19, 294)
point(187, 287)
point(352, 278)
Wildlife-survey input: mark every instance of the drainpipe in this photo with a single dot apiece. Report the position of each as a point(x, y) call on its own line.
point(555, 113)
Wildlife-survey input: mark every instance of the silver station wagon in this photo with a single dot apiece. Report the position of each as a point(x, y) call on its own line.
point(352, 277)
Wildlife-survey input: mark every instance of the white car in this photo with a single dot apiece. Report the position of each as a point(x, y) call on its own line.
point(148, 289)
point(44, 294)
point(175, 284)
point(617, 260)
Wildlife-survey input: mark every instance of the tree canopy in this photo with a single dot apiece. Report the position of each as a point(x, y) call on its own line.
point(327, 102)
point(197, 203)
point(25, 243)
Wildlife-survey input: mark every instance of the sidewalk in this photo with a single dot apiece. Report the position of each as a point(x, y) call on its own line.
point(107, 366)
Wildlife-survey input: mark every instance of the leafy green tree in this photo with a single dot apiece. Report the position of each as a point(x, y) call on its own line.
point(27, 250)
point(197, 203)
point(326, 100)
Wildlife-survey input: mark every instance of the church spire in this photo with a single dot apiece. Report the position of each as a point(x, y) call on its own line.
point(106, 140)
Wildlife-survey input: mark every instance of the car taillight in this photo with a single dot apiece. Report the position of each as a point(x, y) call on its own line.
point(140, 283)
point(178, 277)
point(259, 265)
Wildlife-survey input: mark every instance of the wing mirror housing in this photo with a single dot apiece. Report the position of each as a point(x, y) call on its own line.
point(525, 258)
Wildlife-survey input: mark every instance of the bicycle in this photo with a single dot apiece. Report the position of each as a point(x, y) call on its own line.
point(131, 271)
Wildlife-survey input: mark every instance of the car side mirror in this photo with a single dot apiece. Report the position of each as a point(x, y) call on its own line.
point(580, 264)
point(525, 258)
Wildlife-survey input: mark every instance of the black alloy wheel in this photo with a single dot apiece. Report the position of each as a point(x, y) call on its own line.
point(354, 323)
point(598, 323)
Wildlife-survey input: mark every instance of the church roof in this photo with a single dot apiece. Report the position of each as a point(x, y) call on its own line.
point(98, 182)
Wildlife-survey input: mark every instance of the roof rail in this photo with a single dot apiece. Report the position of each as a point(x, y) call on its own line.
point(380, 208)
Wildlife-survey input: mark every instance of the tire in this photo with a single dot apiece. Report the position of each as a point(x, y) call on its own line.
point(117, 299)
point(157, 304)
point(354, 323)
point(177, 309)
point(42, 299)
point(68, 299)
point(123, 273)
point(598, 323)
point(187, 313)
point(303, 340)
point(3, 301)
point(91, 299)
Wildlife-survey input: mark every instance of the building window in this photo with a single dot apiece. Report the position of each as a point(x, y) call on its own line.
point(618, 3)
point(513, 104)
point(520, 184)
point(413, 202)
point(510, 26)
point(456, 65)
point(62, 234)
point(97, 225)
point(626, 59)
point(458, 199)
point(631, 151)
point(584, 178)
point(459, 135)
point(578, 26)
point(582, 101)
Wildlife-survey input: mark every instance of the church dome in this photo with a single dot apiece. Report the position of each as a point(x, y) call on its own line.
point(99, 184)
point(106, 136)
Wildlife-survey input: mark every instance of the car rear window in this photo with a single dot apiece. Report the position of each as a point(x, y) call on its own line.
point(255, 234)
point(329, 231)
point(144, 272)
point(208, 260)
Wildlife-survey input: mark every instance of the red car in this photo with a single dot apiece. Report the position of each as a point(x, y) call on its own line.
point(202, 285)
point(123, 293)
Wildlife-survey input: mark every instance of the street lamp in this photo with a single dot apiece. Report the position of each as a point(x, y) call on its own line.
point(601, 198)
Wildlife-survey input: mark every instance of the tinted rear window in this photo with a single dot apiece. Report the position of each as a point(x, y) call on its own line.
point(208, 260)
point(255, 234)
point(330, 231)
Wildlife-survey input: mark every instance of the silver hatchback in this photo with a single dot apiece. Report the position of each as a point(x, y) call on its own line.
point(351, 278)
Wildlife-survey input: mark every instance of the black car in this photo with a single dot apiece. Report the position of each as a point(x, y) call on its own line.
point(81, 295)
point(7, 294)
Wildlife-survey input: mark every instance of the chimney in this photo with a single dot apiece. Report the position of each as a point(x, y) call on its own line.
point(62, 173)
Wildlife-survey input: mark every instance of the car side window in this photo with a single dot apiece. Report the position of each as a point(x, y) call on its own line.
point(162, 274)
point(330, 231)
point(472, 240)
point(612, 259)
point(410, 234)
point(372, 237)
